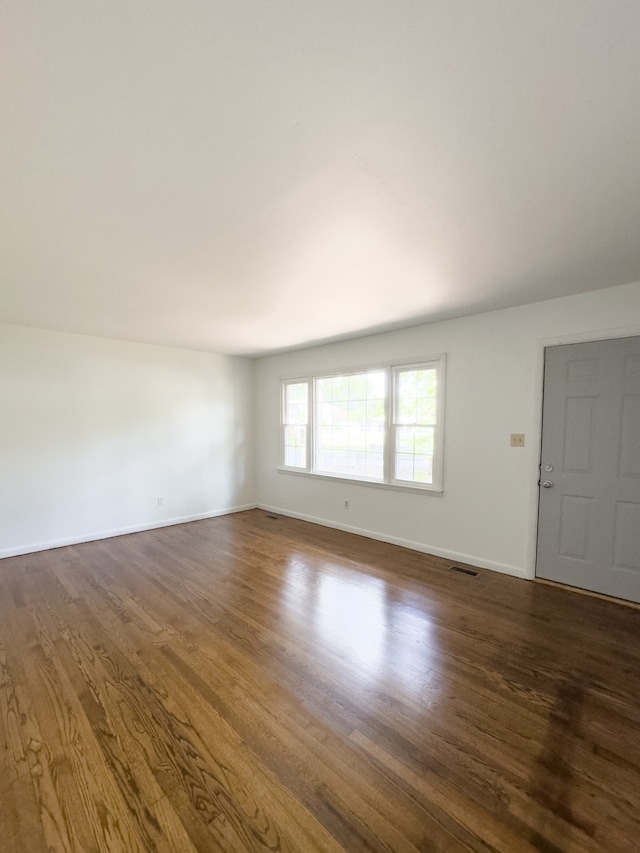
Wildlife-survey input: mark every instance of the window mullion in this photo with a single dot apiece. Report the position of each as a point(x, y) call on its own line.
point(390, 437)
point(311, 425)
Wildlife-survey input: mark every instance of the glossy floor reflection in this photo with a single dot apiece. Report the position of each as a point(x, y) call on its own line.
point(361, 623)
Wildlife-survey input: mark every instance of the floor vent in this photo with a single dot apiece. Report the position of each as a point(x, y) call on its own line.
point(464, 571)
point(274, 517)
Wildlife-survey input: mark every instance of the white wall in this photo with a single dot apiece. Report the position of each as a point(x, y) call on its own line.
point(94, 431)
point(487, 514)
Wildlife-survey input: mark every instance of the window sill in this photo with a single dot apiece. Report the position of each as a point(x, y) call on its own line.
point(395, 487)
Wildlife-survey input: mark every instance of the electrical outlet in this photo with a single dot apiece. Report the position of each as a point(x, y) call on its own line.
point(160, 501)
point(517, 439)
point(346, 504)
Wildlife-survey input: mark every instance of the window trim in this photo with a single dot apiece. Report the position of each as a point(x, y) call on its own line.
point(314, 431)
point(391, 368)
point(283, 384)
point(439, 362)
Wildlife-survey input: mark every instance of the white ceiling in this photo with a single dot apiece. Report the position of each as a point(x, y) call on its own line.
point(250, 175)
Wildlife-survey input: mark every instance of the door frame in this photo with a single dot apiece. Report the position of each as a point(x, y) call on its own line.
point(536, 436)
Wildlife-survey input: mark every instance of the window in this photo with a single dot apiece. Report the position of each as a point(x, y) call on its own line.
point(295, 424)
point(415, 419)
point(349, 425)
point(383, 425)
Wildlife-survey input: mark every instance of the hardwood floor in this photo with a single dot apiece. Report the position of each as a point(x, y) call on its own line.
point(259, 683)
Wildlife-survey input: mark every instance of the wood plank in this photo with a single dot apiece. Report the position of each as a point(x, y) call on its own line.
point(245, 683)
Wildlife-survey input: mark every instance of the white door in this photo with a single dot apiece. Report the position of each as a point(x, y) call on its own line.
point(589, 514)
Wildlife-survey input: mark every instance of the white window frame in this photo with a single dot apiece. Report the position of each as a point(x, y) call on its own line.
point(389, 481)
point(315, 415)
point(283, 423)
point(437, 364)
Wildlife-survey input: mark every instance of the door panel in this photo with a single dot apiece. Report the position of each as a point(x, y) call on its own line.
point(589, 515)
point(575, 517)
point(630, 439)
point(579, 434)
point(626, 546)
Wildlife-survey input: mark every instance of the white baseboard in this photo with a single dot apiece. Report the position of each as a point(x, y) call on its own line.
point(454, 556)
point(109, 534)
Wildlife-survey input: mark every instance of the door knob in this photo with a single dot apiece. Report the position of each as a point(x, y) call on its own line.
point(547, 484)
